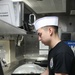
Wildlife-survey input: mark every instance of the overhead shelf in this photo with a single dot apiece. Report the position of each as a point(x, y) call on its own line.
point(8, 29)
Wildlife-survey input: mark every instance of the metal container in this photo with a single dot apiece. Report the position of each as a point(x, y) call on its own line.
point(28, 68)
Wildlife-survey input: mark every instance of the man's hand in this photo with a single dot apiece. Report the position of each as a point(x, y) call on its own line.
point(60, 74)
point(46, 72)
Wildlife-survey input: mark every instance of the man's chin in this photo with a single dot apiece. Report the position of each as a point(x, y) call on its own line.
point(45, 44)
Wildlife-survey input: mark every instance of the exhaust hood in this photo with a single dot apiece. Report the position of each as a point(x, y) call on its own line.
point(8, 29)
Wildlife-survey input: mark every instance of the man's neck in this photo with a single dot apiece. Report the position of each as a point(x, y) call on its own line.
point(54, 42)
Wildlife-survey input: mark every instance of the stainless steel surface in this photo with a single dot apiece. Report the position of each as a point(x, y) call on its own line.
point(7, 29)
point(35, 57)
point(47, 6)
point(29, 68)
point(31, 44)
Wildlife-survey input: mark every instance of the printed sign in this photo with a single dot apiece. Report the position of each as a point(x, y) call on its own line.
point(7, 11)
point(71, 44)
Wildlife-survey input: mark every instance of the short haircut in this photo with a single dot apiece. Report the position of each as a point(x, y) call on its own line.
point(55, 28)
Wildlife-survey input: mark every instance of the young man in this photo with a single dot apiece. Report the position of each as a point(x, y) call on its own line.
point(60, 57)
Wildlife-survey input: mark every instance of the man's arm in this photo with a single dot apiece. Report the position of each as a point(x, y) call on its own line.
point(46, 72)
point(60, 74)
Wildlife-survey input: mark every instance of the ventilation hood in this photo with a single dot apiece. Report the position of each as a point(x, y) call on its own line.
point(47, 6)
point(8, 29)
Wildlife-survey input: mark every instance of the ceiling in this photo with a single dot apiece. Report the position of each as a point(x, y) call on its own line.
point(51, 6)
point(47, 6)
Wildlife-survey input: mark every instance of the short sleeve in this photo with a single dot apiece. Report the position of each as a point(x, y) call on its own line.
point(62, 63)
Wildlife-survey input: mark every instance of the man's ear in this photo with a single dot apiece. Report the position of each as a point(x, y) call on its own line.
point(50, 31)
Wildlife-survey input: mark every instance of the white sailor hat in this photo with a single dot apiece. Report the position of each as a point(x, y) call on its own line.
point(46, 21)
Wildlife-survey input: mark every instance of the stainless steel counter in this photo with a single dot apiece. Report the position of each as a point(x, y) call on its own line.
point(36, 57)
